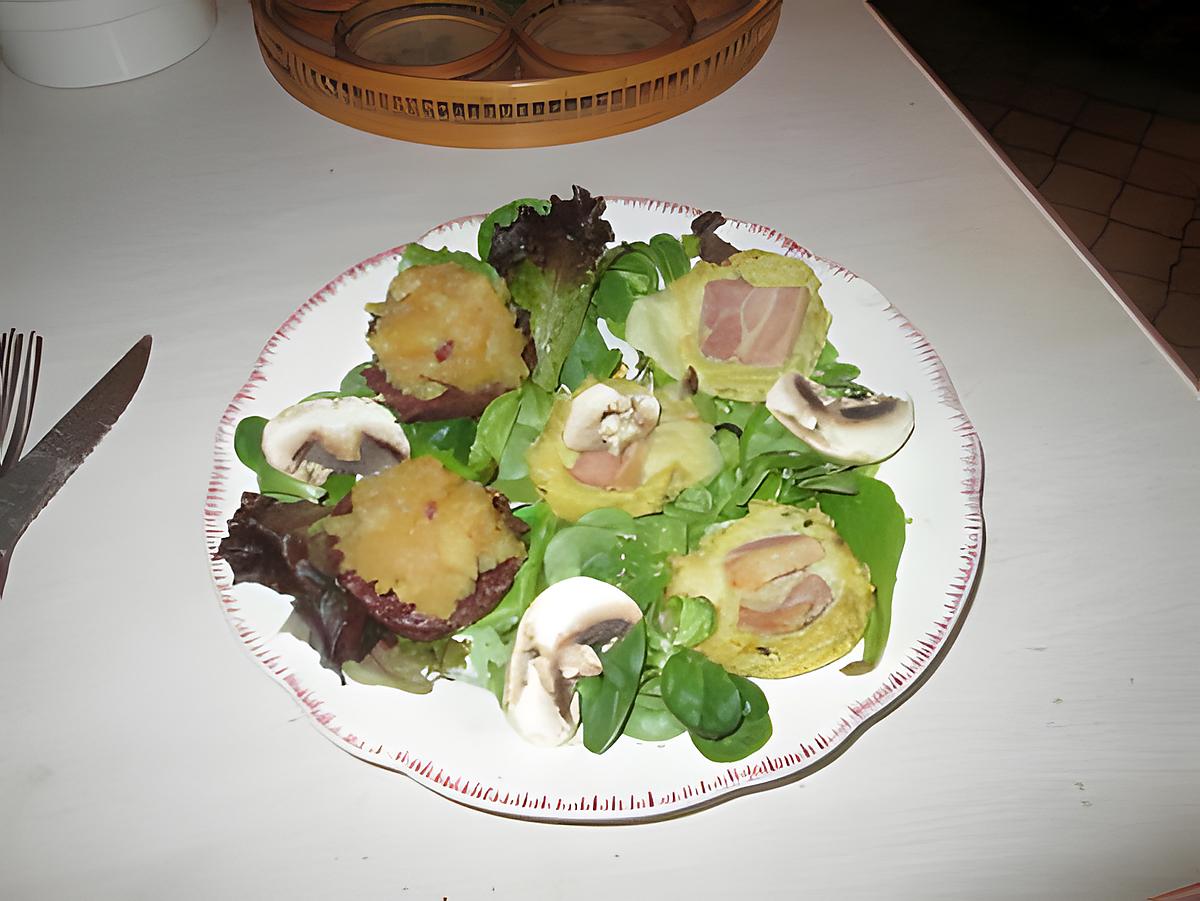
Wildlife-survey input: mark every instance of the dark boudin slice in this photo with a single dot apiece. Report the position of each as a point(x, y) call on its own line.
point(446, 343)
point(426, 551)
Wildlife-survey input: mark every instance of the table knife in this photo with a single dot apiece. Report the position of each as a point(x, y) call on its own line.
point(29, 485)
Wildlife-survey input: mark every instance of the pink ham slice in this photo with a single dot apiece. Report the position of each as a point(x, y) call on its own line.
point(755, 326)
point(806, 600)
point(600, 469)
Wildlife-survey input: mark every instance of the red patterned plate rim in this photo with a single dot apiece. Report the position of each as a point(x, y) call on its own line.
point(745, 777)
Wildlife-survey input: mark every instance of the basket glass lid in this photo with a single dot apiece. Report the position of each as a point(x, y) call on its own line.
point(446, 39)
point(588, 35)
point(497, 73)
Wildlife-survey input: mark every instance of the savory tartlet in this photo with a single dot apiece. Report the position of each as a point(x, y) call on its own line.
point(738, 325)
point(616, 444)
point(790, 594)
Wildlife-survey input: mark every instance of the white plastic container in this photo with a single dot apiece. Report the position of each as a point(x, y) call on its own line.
point(79, 43)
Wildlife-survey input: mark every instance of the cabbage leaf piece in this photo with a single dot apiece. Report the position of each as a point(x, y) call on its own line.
point(550, 263)
point(666, 326)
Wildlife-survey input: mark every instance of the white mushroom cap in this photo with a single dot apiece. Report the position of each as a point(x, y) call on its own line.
point(853, 430)
point(554, 648)
point(343, 434)
point(602, 418)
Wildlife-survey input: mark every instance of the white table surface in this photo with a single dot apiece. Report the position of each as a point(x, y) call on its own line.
point(1054, 753)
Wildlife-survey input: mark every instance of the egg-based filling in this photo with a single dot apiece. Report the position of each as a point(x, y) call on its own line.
point(424, 533)
point(445, 326)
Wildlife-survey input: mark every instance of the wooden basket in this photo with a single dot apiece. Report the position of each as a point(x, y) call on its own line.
point(495, 79)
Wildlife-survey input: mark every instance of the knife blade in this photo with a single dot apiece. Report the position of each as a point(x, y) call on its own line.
point(36, 478)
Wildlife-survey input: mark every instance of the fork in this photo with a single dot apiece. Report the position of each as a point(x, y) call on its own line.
point(18, 391)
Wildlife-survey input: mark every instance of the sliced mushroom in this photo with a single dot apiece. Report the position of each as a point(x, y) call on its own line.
point(853, 430)
point(604, 419)
point(555, 646)
point(317, 437)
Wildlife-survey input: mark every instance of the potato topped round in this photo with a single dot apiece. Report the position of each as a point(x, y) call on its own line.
point(424, 534)
point(446, 327)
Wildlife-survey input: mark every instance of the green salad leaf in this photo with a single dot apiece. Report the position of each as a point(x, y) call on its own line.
point(754, 732)
point(491, 638)
point(447, 440)
point(838, 377)
point(605, 701)
point(354, 385)
point(504, 216)
point(411, 666)
point(550, 263)
point(678, 622)
point(247, 444)
point(417, 255)
point(873, 525)
point(508, 426)
point(612, 546)
point(701, 695)
point(650, 720)
point(589, 355)
point(635, 270)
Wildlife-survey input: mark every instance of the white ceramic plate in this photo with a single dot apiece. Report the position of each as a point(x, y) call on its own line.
point(455, 740)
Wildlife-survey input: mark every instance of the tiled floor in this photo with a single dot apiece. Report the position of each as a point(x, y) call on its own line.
point(1113, 143)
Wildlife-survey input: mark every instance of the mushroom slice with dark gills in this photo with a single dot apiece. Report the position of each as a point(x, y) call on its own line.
point(789, 593)
point(615, 444)
point(446, 343)
point(853, 430)
point(554, 647)
point(426, 551)
point(737, 324)
point(314, 438)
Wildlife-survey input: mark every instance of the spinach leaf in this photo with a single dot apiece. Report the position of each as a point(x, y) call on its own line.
point(589, 355)
point(447, 440)
point(491, 637)
point(838, 377)
point(614, 547)
point(650, 720)
point(744, 741)
point(492, 433)
point(679, 622)
point(630, 275)
point(511, 423)
point(606, 700)
point(247, 444)
point(354, 385)
point(754, 731)
point(701, 695)
point(872, 523)
point(634, 271)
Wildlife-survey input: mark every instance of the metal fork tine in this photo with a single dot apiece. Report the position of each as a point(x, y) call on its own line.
point(37, 374)
point(5, 354)
point(11, 360)
point(16, 442)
